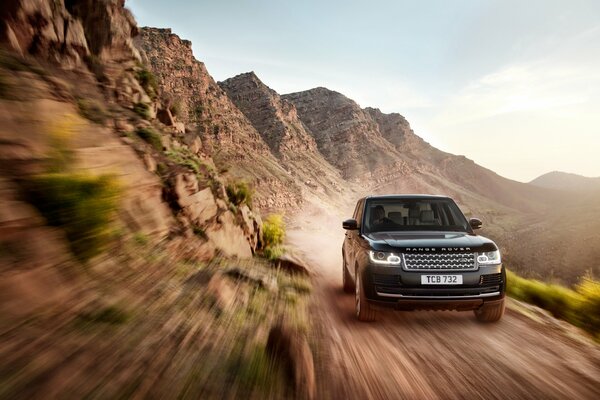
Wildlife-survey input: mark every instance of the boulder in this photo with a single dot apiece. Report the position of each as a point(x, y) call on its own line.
point(291, 350)
point(193, 142)
point(228, 237)
point(179, 127)
point(198, 205)
point(293, 263)
point(251, 224)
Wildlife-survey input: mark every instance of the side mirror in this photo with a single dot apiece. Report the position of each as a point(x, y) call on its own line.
point(350, 225)
point(475, 223)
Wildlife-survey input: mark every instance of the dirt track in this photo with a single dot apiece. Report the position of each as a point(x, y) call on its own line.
point(436, 355)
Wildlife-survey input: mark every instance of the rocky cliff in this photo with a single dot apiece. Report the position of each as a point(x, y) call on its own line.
point(346, 135)
point(277, 122)
point(196, 99)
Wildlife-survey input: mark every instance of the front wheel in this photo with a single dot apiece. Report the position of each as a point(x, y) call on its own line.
point(490, 312)
point(364, 311)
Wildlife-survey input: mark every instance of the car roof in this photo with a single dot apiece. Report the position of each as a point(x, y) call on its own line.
point(406, 196)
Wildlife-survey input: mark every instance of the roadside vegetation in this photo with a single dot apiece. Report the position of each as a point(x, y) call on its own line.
point(80, 203)
point(579, 306)
point(240, 193)
point(149, 135)
point(148, 81)
point(273, 236)
point(92, 110)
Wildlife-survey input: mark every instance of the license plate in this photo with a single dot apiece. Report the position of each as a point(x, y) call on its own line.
point(441, 280)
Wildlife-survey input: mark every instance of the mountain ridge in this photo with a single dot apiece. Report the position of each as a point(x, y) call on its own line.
point(566, 181)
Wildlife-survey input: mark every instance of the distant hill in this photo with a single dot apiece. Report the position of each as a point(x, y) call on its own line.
point(566, 181)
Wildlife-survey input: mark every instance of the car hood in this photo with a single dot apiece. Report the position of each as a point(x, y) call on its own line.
point(431, 241)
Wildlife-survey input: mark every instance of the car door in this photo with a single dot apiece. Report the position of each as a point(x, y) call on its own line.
point(352, 239)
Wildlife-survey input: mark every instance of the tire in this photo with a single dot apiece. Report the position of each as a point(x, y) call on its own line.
point(364, 311)
point(490, 312)
point(347, 283)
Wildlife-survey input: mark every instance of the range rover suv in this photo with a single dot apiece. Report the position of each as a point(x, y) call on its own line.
point(413, 252)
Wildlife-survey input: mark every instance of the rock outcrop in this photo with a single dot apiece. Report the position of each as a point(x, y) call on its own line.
point(45, 29)
point(277, 122)
point(345, 134)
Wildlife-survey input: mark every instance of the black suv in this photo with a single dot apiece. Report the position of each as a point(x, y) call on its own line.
point(414, 252)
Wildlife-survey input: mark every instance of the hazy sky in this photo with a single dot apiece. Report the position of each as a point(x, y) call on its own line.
point(513, 85)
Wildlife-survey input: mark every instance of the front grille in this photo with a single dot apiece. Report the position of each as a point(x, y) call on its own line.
point(439, 261)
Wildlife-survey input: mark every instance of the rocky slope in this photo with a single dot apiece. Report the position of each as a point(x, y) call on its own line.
point(78, 108)
point(345, 134)
point(209, 114)
point(277, 122)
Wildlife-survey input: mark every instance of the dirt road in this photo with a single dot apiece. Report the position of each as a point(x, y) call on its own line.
point(435, 355)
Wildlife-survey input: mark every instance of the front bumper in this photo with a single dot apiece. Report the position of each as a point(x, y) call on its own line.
point(395, 287)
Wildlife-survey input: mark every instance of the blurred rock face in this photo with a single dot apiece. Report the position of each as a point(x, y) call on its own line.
point(76, 106)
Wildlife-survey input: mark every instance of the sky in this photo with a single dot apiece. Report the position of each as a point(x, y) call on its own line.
point(513, 85)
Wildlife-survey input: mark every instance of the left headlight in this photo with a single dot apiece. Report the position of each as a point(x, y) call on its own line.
point(489, 258)
point(384, 258)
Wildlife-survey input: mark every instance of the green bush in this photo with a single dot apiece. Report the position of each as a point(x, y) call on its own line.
point(239, 193)
point(273, 231)
point(92, 110)
point(185, 158)
point(589, 307)
point(148, 81)
point(273, 253)
point(82, 205)
point(142, 109)
point(581, 306)
point(150, 136)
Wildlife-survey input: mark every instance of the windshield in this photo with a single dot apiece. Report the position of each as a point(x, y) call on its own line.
point(388, 215)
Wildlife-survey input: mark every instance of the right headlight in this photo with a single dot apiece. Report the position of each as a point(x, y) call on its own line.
point(489, 258)
point(384, 258)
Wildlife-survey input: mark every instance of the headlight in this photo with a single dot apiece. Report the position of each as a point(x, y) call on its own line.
point(383, 258)
point(489, 258)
